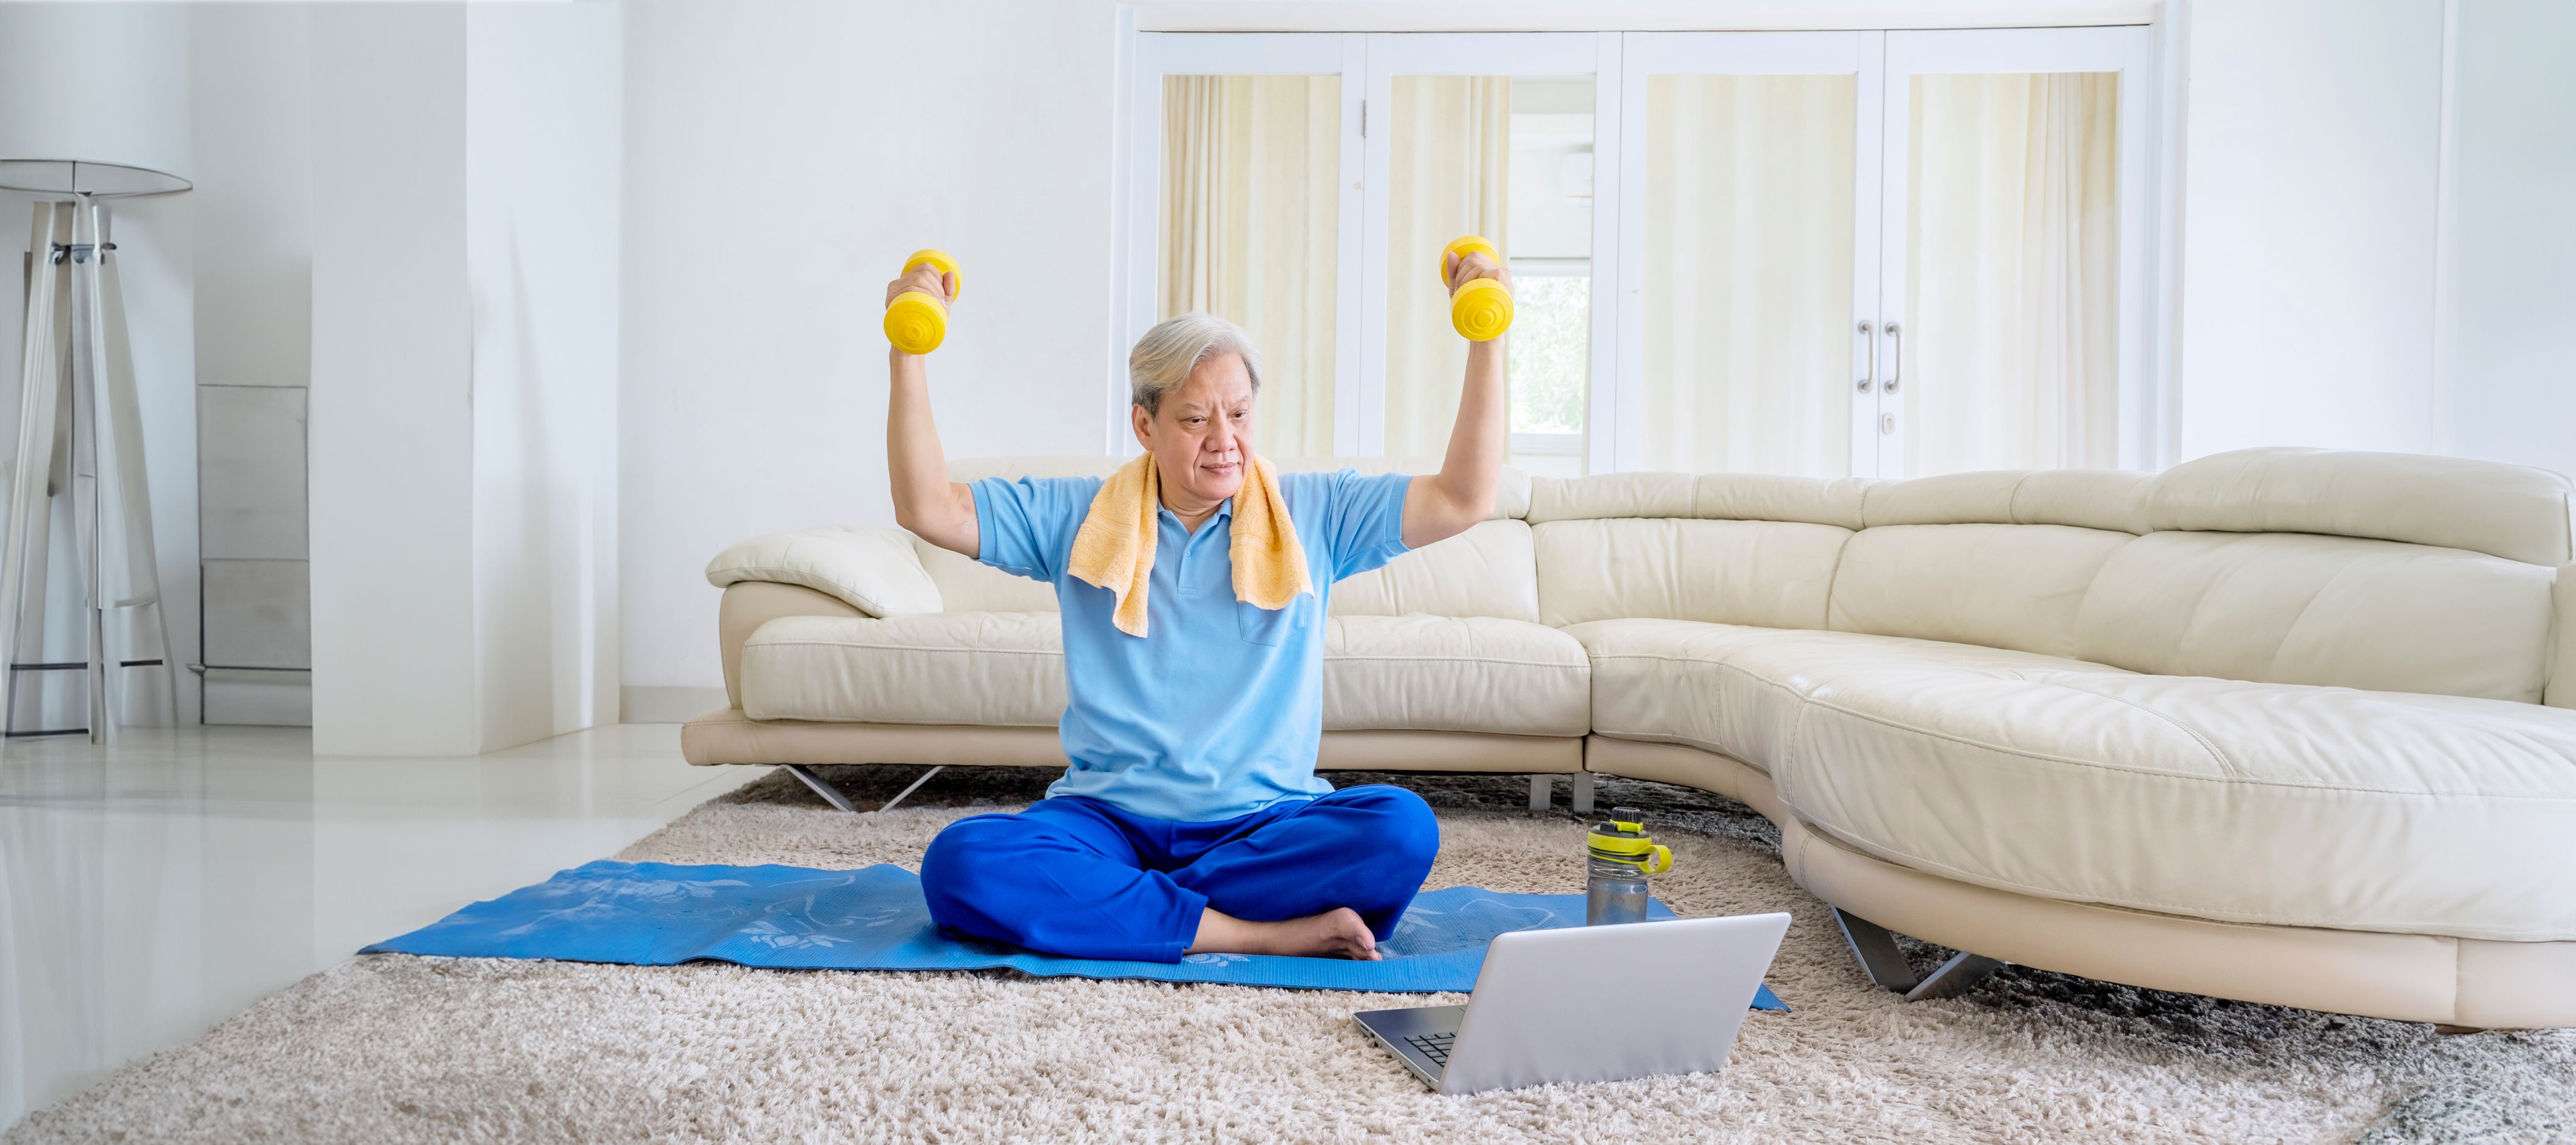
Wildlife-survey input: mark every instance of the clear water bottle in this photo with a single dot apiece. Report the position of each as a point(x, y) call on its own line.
point(1619, 856)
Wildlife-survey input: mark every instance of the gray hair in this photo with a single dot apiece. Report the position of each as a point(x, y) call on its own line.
point(1164, 357)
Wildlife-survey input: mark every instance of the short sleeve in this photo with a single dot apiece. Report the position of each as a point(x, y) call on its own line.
point(1363, 519)
point(1025, 527)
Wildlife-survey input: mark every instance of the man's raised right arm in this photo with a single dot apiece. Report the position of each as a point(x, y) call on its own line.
point(935, 508)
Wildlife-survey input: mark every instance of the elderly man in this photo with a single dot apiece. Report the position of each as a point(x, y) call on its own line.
point(1191, 820)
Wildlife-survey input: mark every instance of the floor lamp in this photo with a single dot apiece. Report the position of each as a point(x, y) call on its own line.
point(79, 444)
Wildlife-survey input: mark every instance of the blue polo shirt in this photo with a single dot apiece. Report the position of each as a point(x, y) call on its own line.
point(1217, 711)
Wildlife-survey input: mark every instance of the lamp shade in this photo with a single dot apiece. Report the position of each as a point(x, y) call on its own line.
point(96, 98)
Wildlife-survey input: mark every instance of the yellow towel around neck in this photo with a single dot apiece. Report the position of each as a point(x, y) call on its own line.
point(1114, 549)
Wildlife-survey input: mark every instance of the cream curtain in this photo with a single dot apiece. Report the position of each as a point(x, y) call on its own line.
point(1748, 273)
point(2012, 273)
point(1251, 225)
point(1451, 140)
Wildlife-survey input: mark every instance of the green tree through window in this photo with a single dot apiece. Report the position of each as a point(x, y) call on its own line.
point(1551, 352)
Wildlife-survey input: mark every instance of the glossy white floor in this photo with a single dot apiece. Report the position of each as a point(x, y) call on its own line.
point(151, 888)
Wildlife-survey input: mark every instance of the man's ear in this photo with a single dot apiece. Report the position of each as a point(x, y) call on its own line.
point(1143, 424)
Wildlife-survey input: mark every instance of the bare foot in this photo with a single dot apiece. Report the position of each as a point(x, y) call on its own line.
point(1336, 933)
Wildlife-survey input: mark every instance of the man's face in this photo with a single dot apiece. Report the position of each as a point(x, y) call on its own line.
point(1202, 437)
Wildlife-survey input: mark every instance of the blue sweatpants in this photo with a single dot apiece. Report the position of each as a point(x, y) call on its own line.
point(1080, 877)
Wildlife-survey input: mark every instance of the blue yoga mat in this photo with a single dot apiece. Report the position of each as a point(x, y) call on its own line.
point(658, 914)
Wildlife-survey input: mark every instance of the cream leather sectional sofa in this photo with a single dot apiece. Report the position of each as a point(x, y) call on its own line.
point(2286, 726)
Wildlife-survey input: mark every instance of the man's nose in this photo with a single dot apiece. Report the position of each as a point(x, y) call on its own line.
point(1221, 439)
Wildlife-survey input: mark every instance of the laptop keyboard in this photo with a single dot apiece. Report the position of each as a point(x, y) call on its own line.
point(1433, 1046)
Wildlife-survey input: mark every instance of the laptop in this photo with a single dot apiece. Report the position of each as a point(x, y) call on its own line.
point(1590, 1003)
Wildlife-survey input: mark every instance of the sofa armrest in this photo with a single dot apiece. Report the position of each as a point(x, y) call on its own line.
point(749, 604)
point(873, 570)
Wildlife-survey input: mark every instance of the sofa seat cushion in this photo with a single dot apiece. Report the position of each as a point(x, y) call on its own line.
point(1006, 669)
point(998, 669)
point(2281, 804)
point(1454, 673)
point(1737, 689)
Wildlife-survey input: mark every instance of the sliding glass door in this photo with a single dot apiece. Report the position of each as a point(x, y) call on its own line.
point(1879, 254)
point(1251, 218)
point(1750, 230)
point(1488, 135)
point(2012, 282)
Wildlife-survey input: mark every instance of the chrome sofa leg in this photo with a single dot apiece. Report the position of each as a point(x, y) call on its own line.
point(1957, 976)
point(1876, 950)
point(1542, 792)
point(1582, 793)
point(916, 786)
point(833, 796)
point(830, 794)
point(1886, 965)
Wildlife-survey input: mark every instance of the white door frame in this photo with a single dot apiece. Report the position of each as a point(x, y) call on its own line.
point(1619, 393)
point(2129, 51)
point(1138, 220)
point(1391, 54)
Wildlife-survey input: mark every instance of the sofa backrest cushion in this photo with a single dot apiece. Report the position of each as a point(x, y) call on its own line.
point(1775, 574)
point(969, 585)
point(2508, 511)
point(2000, 585)
point(2290, 608)
point(1706, 496)
point(1489, 570)
point(2112, 499)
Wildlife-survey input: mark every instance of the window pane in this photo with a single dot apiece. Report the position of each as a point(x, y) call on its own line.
point(2012, 273)
point(1250, 230)
point(1509, 158)
point(1749, 327)
point(1551, 349)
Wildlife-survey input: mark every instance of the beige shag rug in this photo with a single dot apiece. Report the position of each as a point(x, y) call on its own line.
point(398, 1048)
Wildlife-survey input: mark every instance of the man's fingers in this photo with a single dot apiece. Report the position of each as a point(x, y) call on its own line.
point(934, 283)
point(1467, 268)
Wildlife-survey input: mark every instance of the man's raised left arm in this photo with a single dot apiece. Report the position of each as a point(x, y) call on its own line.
point(1447, 503)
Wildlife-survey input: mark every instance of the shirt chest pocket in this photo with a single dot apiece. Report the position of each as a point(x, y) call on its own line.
point(1258, 625)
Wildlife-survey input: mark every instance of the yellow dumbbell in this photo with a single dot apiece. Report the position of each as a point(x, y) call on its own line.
point(1482, 309)
point(916, 322)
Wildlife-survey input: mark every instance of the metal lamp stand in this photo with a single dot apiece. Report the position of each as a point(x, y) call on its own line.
point(80, 450)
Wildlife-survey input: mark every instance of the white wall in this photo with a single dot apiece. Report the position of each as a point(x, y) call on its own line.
point(2311, 133)
point(2336, 292)
point(542, 143)
point(781, 159)
point(2514, 232)
point(126, 106)
point(394, 665)
point(465, 301)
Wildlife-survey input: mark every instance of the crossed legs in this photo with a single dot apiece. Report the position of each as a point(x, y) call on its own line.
point(1328, 876)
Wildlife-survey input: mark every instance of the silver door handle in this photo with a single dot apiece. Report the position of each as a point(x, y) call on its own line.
point(1895, 358)
point(1872, 371)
